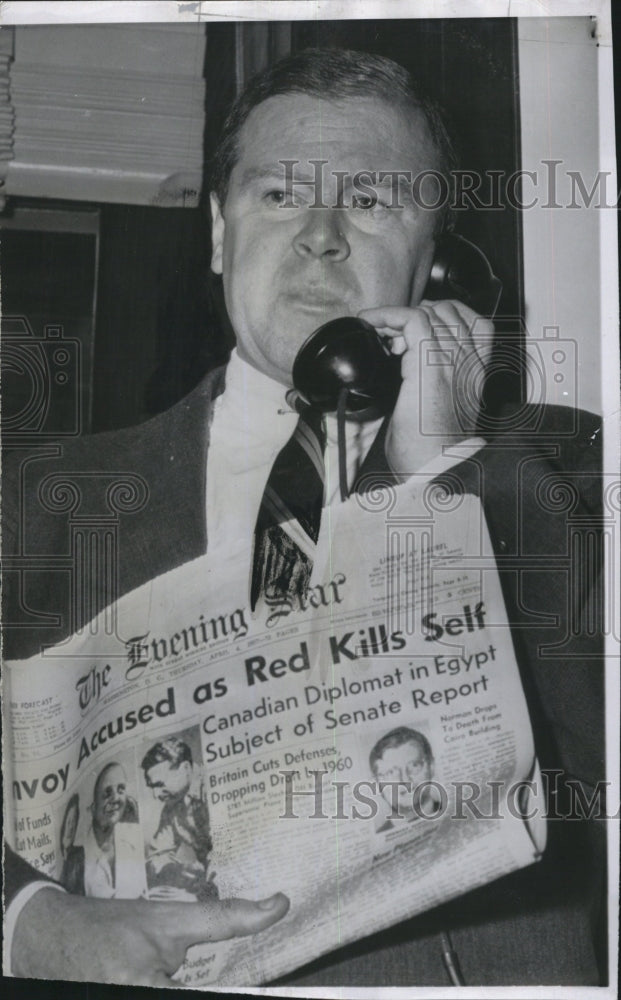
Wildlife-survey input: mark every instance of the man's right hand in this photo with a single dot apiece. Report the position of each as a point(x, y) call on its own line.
point(130, 941)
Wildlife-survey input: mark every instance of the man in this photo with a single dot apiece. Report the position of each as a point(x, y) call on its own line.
point(178, 855)
point(107, 863)
point(285, 271)
point(402, 764)
point(112, 862)
point(111, 798)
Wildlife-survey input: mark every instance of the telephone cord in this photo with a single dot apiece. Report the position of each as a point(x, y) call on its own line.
point(341, 410)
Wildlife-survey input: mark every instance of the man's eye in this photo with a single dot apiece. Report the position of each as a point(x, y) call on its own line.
point(392, 774)
point(365, 201)
point(275, 197)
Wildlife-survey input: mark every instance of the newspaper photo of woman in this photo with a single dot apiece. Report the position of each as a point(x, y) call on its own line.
point(402, 764)
point(72, 872)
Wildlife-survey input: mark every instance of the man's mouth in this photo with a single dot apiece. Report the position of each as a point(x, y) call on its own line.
point(317, 297)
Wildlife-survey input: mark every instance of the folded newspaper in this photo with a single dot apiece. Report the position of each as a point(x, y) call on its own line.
point(366, 750)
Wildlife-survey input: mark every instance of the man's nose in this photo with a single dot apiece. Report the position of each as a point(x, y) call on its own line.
point(322, 236)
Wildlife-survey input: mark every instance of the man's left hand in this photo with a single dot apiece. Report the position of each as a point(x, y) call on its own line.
point(445, 347)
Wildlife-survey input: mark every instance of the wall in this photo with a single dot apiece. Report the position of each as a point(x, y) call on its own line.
point(559, 103)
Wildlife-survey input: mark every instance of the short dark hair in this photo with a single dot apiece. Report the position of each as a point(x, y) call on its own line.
point(171, 750)
point(396, 738)
point(332, 74)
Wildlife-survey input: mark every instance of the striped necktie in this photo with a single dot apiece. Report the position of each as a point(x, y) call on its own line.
point(287, 527)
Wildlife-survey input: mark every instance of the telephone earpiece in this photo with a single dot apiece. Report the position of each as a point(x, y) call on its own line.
point(461, 271)
point(348, 353)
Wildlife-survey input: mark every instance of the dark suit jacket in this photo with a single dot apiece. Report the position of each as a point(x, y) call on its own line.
point(140, 493)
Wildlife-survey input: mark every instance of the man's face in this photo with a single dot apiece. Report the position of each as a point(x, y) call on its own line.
point(110, 797)
point(287, 270)
point(406, 763)
point(168, 782)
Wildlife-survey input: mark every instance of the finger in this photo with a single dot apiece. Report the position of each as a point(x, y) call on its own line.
point(220, 919)
point(401, 325)
point(466, 314)
point(156, 978)
point(445, 320)
point(166, 893)
point(411, 324)
point(390, 318)
point(451, 330)
point(159, 978)
point(479, 330)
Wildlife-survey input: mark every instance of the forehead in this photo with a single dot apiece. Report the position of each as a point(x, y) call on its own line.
point(113, 776)
point(159, 770)
point(412, 750)
point(355, 133)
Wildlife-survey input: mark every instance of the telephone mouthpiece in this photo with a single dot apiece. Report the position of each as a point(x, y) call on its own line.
point(347, 353)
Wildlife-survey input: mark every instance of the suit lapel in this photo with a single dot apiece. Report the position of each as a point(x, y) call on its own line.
point(172, 529)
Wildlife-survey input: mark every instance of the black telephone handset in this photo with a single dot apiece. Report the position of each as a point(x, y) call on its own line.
point(347, 353)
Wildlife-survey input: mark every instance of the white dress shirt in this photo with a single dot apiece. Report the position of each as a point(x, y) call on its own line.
point(128, 881)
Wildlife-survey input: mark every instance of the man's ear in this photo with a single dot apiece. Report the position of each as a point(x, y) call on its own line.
point(217, 234)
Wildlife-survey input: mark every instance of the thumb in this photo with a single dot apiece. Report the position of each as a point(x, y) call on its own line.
point(220, 919)
point(161, 979)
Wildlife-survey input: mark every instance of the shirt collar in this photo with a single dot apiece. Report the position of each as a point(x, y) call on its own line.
point(245, 383)
point(255, 413)
point(256, 406)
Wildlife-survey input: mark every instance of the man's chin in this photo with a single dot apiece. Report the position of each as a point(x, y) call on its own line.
point(299, 336)
point(300, 322)
point(297, 327)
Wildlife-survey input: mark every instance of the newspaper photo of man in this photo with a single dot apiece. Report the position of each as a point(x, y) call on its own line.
point(112, 856)
point(178, 854)
point(402, 764)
